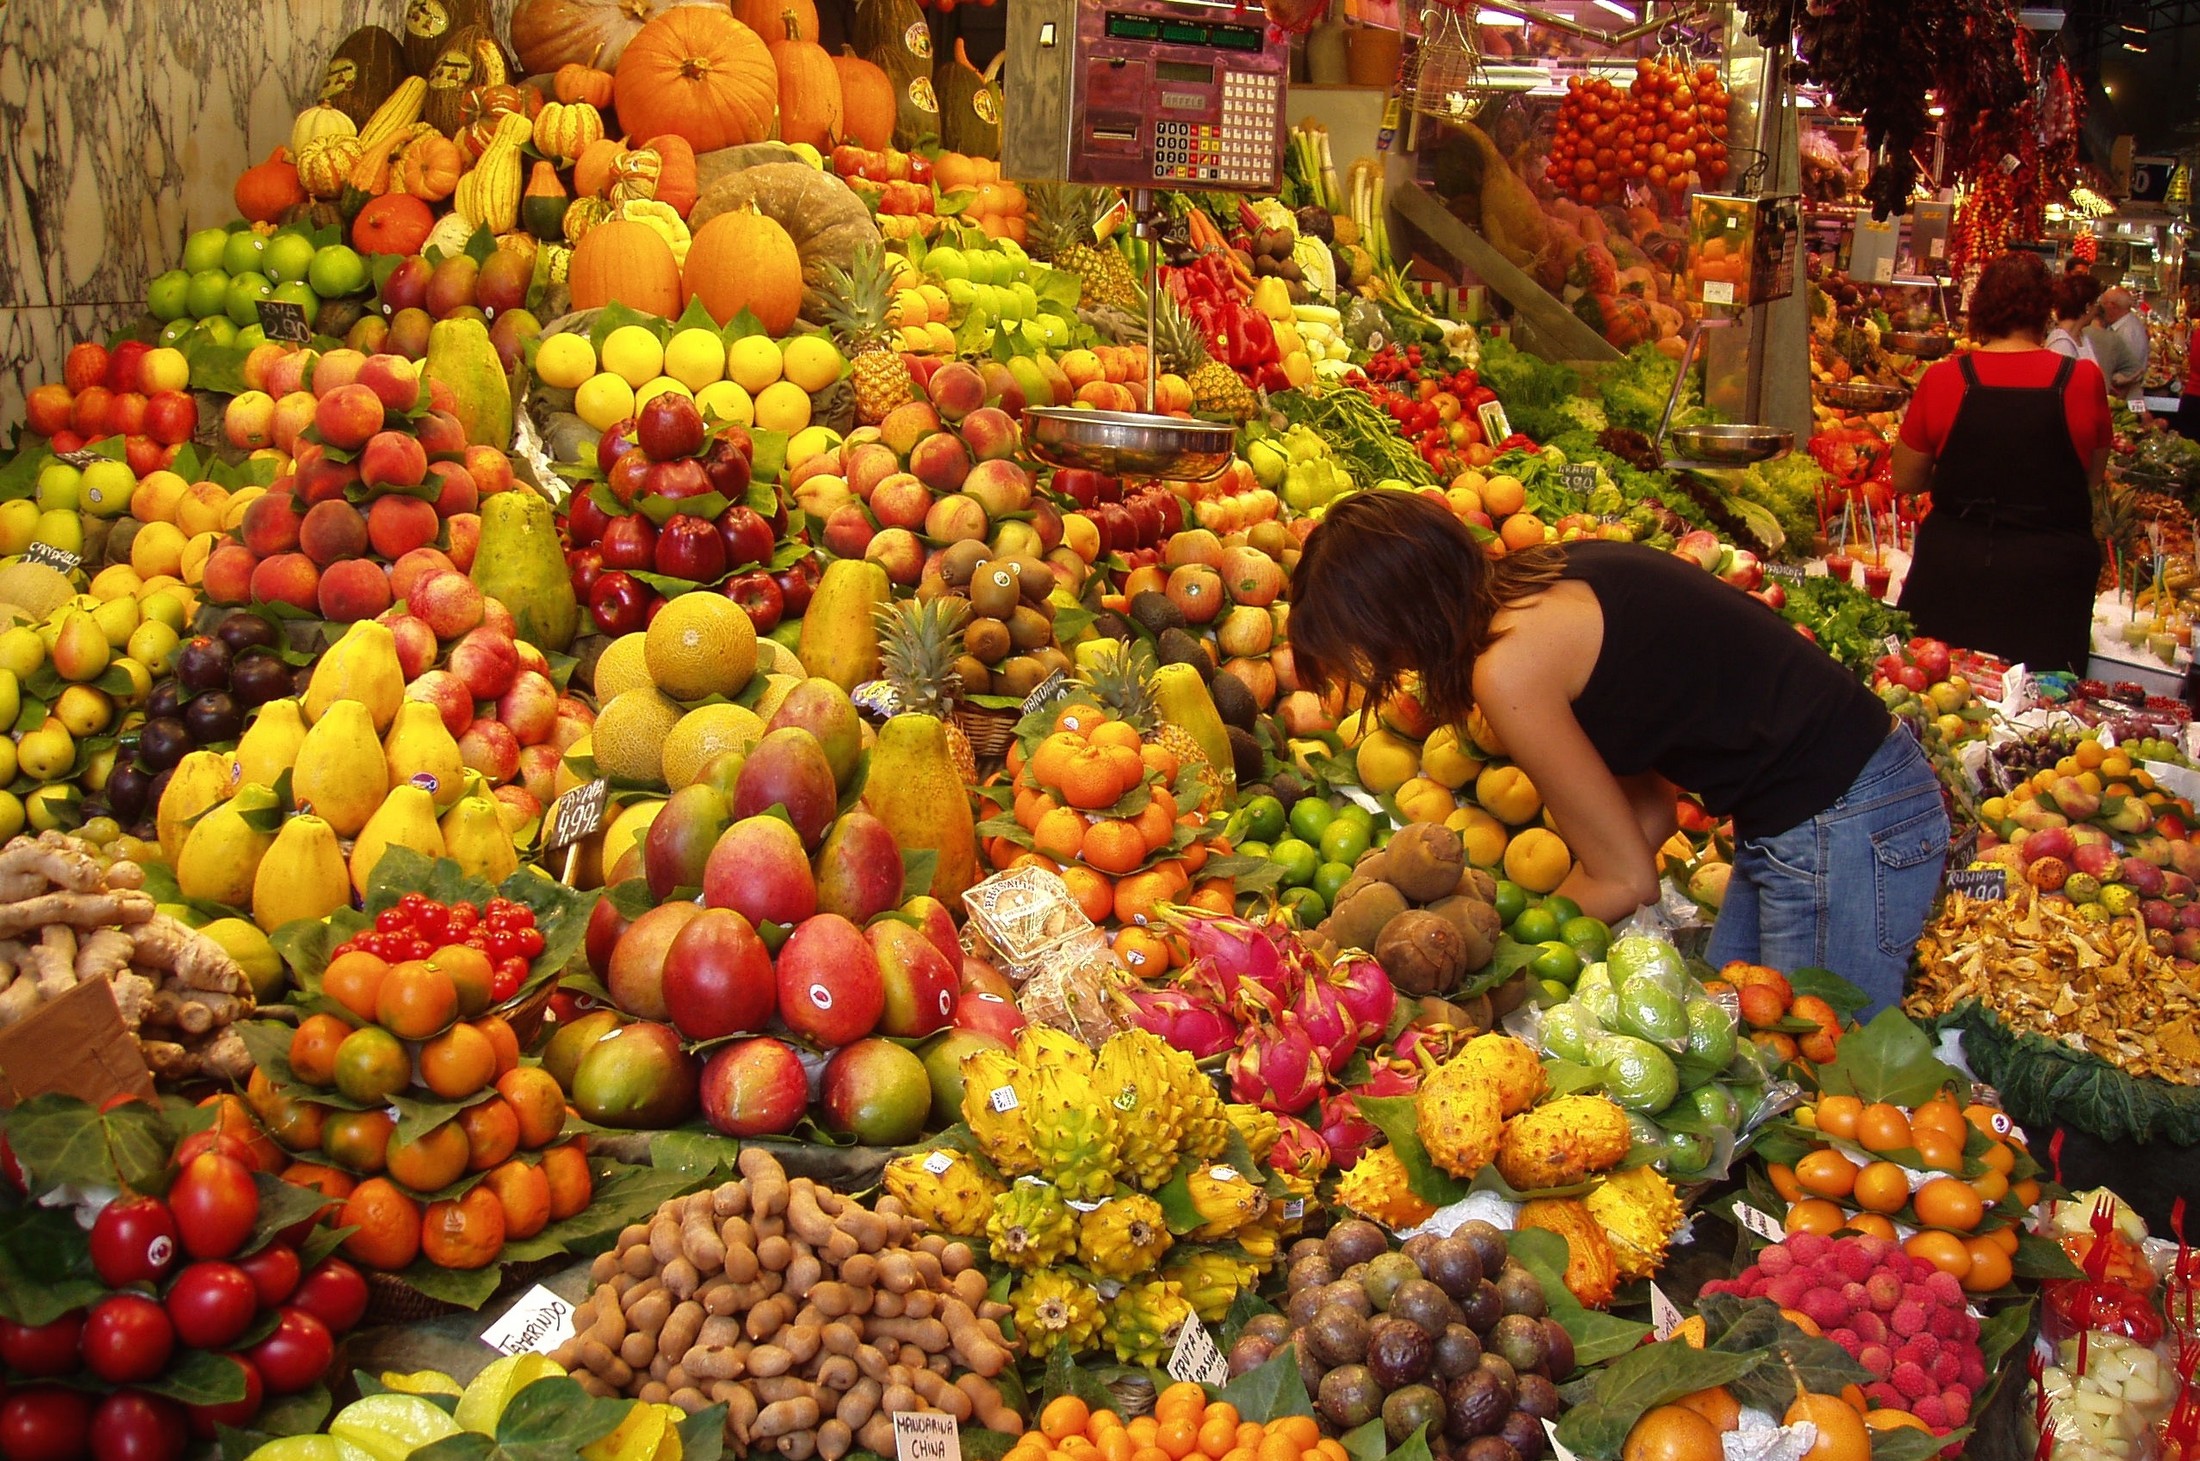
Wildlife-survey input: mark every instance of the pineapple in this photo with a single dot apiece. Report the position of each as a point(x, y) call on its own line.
point(918, 644)
point(859, 311)
point(1217, 390)
point(1064, 215)
point(1123, 682)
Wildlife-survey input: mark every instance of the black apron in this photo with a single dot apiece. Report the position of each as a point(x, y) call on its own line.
point(2006, 561)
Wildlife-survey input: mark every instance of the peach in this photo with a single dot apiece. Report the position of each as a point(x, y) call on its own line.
point(227, 578)
point(940, 461)
point(1251, 576)
point(332, 530)
point(394, 379)
point(1003, 391)
point(356, 588)
point(864, 467)
point(1081, 366)
point(956, 390)
point(530, 658)
point(288, 578)
point(490, 468)
point(538, 771)
point(907, 425)
point(448, 694)
point(465, 535)
point(518, 804)
point(1000, 487)
point(203, 508)
point(575, 720)
point(496, 617)
point(529, 707)
point(392, 458)
point(335, 369)
point(291, 373)
point(293, 413)
point(348, 416)
point(416, 646)
point(900, 553)
point(440, 434)
point(441, 397)
point(398, 524)
point(486, 662)
point(258, 361)
point(249, 420)
point(321, 479)
point(488, 746)
point(901, 501)
point(955, 519)
point(848, 531)
point(448, 601)
point(270, 524)
point(822, 494)
point(411, 567)
point(459, 493)
point(990, 433)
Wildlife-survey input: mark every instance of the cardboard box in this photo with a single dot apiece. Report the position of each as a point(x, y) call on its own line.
point(76, 1045)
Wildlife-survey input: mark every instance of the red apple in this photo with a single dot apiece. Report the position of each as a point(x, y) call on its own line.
point(48, 409)
point(629, 542)
point(668, 426)
point(619, 604)
point(760, 598)
point(85, 367)
point(171, 417)
point(747, 536)
point(616, 441)
point(689, 547)
point(679, 478)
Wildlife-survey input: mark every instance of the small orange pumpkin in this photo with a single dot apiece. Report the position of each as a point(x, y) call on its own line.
point(676, 178)
point(768, 18)
point(866, 101)
point(701, 73)
point(265, 191)
point(596, 168)
point(630, 262)
point(575, 82)
point(809, 85)
point(428, 167)
point(744, 260)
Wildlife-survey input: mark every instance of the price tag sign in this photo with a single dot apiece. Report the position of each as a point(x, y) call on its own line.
point(1764, 1225)
point(1883, 270)
point(2016, 689)
point(1718, 291)
point(56, 558)
point(926, 1435)
point(1665, 1315)
point(1048, 690)
point(1496, 426)
point(576, 814)
point(1979, 882)
point(1578, 477)
point(1195, 1358)
point(282, 320)
point(537, 1324)
point(1787, 572)
point(1894, 645)
point(81, 458)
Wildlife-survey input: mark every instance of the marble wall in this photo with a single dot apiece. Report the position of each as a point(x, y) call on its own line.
point(123, 126)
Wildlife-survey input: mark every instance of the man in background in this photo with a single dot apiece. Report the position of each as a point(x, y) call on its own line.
point(2128, 366)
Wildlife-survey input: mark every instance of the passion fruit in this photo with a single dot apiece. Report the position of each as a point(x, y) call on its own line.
point(1349, 1397)
point(1386, 1275)
point(1356, 1240)
point(1454, 1265)
point(1409, 1408)
point(1399, 1351)
point(1338, 1336)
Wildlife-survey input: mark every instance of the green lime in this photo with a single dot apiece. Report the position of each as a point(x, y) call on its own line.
point(1343, 841)
point(1509, 900)
point(1556, 963)
point(1586, 936)
point(1311, 816)
point(1253, 849)
point(1562, 909)
point(1329, 877)
point(1555, 991)
point(1298, 859)
point(1533, 926)
point(1263, 817)
point(1305, 905)
point(1354, 812)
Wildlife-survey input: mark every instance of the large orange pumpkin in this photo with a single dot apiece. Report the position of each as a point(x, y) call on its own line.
point(699, 73)
point(630, 262)
point(768, 17)
point(743, 260)
point(809, 86)
point(676, 176)
point(866, 101)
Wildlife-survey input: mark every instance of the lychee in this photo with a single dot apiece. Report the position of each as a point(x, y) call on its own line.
point(1869, 1327)
point(1775, 1260)
point(1948, 1323)
point(1825, 1308)
point(1912, 1380)
point(1943, 1286)
point(1885, 1291)
point(1877, 1358)
point(1854, 1295)
point(1957, 1403)
point(1809, 1247)
point(1846, 1338)
point(1874, 1247)
point(1946, 1368)
point(1787, 1290)
point(1884, 1395)
point(1855, 1264)
point(1909, 1318)
point(1974, 1369)
point(1932, 1412)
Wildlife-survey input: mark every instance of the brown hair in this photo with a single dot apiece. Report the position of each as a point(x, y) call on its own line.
point(1393, 585)
point(2075, 294)
point(2014, 296)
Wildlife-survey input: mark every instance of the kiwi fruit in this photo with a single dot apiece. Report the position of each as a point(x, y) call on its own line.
point(1246, 756)
point(1108, 624)
point(1018, 675)
point(1233, 702)
point(994, 590)
point(976, 678)
point(1034, 578)
point(1028, 629)
point(1155, 613)
point(985, 639)
point(959, 562)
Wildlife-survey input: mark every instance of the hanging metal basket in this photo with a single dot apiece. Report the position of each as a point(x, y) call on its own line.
point(1443, 76)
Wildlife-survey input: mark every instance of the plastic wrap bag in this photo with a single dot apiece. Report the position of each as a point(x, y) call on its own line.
point(1082, 988)
point(1650, 984)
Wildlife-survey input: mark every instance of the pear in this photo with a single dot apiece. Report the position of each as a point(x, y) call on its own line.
point(913, 788)
point(406, 819)
point(341, 774)
point(270, 743)
point(419, 744)
point(118, 619)
point(474, 838)
point(222, 853)
point(80, 648)
point(200, 781)
point(361, 666)
point(302, 876)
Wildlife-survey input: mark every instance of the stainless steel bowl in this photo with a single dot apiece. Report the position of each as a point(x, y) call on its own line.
point(1130, 443)
point(1731, 445)
point(1861, 395)
point(1920, 344)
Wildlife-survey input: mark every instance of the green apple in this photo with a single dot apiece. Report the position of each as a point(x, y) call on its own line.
point(218, 329)
point(18, 520)
point(106, 488)
point(173, 333)
point(946, 264)
point(337, 271)
point(250, 336)
point(242, 301)
point(59, 486)
point(961, 294)
point(288, 257)
point(245, 253)
point(60, 528)
point(206, 293)
point(169, 296)
point(204, 249)
point(299, 293)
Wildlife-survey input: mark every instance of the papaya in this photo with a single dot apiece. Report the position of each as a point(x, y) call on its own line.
point(518, 563)
point(914, 788)
point(460, 356)
point(839, 638)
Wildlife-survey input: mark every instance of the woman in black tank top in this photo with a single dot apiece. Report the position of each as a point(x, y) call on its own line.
point(1616, 675)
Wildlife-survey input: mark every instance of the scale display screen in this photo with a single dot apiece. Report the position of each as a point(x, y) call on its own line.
point(1183, 71)
point(1124, 26)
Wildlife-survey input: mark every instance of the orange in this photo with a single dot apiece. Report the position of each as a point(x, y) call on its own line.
point(1882, 1127)
point(233, 1118)
point(1093, 890)
point(1114, 1442)
point(1217, 1438)
point(1780, 1047)
point(353, 979)
point(535, 1097)
point(1128, 769)
point(470, 975)
point(430, 1162)
point(1013, 762)
point(388, 1224)
point(371, 1065)
point(1944, 1251)
point(1991, 1186)
point(1178, 1438)
point(1672, 1433)
point(1139, 897)
point(1216, 895)
point(1882, 1187)
point(1841, 1433)
point(359, 1140)
point(1813, 1215)
point(1890, 1420)
point(524, 1194)
point(1802, 1321)
point(2000, 1158)
point(1079, 720)
point(1090, 780)
point(313, 1049)
point(571, 1183)
point(1937, 1149)
point(1826, 1174)
point(1982, 1117)
point(1785, 1182)
point(1838, 1115)
point(1115, 846)
point(325, 1180)
point(1943, 1115)
point(458, 1062)
point(1990, 1268)
point(2027, 1190)
point(1329, 1448)
point(1300, 1428)
point(1051, 759)
point(1716, 1405)
point(1181, 1401)
point(1876, 1224)
point(416, 999)
point(1157, 824)
point(1060, 834)
point(502, 1040)
point(464, 1232)
point(1064, 1416)
point(1250, 1433)
point(1277, 1447)
point(1158, 760)
point(492, 1133)
point(1114, 733)
point(2004, 1238)
point(1948, 1202)
point(1853, 1397)
point(1145, 952)
point(1150, 1452)
point(1194, 855)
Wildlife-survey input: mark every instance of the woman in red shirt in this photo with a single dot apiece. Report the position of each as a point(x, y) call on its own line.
point(2010, 439)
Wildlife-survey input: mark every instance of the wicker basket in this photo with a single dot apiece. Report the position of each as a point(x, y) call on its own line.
point(990, 732)
point(391, 1301)
point(525, 1013)
point(1443, 78)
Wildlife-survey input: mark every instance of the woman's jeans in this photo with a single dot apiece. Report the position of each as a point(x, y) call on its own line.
point(1848, 890)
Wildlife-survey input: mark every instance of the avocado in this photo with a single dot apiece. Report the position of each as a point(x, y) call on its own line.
point(1108, 624)
point(1177, 647)
point(1155, 613)
point(1245, 754)
point(1233, 702)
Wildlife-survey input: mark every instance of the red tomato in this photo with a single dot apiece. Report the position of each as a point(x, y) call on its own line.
point(131, 1425)
point(237, 1412)
point(296, 1355)
point(49, 1349)
point(215, 1205)
point(212, 1304)
point(133, 1241)
point(45, 1423)
point(274, 1272)
point(127, 1338)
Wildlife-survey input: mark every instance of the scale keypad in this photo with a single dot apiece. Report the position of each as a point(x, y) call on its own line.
point(1240, 148)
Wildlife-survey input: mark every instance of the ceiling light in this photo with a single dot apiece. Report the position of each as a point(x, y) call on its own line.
point(2135, 48)
point(1617, 9)
point(1499, 18)
point(1936, 111)
point(2137, 30)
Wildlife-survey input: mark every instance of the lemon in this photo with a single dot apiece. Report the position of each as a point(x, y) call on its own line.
point(116, 581)
point(725, 401)
point(699, 644)
point(632, 353)
point(754, 362)
point(658, 386)
point(813, 363)
point(702, 734)
point(630, 734)
point(621, 667)
point(783, 406)
point(565, 361)
point(603, 401)
point(696, 358)
point(809, 442)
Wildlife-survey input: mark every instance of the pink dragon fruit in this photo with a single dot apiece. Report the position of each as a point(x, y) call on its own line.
point(1185, 1020)
point(1277, 1068)
point(1236, 951)
point(1322, 1010)
point(1299, 1150)
point(1347, 1131)
point(1368, 993)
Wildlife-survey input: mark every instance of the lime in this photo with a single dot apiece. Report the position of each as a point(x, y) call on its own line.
point(1593, 991)
point(1710, 1031)
point(1561, 908)
point(1716, 1105)
point(1509, 899)
point(1568, 1029)
point(203, 250)
point(1343, 841)
point(1298, 859)
point(1253, 849)
point(1311, 816)
point(1263, 818)
point(1686, 1154)
point(1533, 926)
point(1556, 963)
point(1586, 936)
point(244, 252)
point(1637, 1074)
point(1330, 877)
point(1305, 905)
point(1354, 812)
point(168, 297)
point(1553, 990)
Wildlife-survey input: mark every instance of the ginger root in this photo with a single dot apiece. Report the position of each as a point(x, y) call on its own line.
point(102, 954)
point(77, 910)
point(196, 961)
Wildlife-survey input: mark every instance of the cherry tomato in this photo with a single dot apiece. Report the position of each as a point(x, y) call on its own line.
point(127, 1338)
point(131, 1425)
point(133, 1241)
point(212, 1304)
point(48, 1349)
point(204, 1418)
point(274, 1272)
point(45, 1423)
point(296, 1355)
point(215, 1205)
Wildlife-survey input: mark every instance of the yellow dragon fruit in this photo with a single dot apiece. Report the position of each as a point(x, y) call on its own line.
point(1055, 1311)
point(1211, 1279)
point(945, 1190)
point(1133, 1075)
point(1030, 1226)
point(1142, 1322)
point(1258, 1127)
point(1206, 1120)
point(1123, 1237)
point(1376, 1187)
point(1039, 1046)
point(1073, 1136)
point(996, 1105)
point(1225, 1199)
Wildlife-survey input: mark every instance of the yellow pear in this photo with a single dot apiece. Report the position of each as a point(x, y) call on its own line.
point(406, 819)
point(200, 780)
point(302, 876)
point(270, 744)
point(420, 745)
point(341, 774)
point(221, 855)
point(361, 666)
point(80, 650)
point(475, 839)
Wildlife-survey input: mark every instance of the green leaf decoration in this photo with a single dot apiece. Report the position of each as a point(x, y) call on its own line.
point(1064, 1376)
point(1908, 1443)
point(703, 1434)
point(198, 1377)
point(918, 865)
point(1597, 1336)
point(660, 510)
point(1367, 1442)
point(1641, 1380)
point(980, 1444)
point(1846, 998)
point(1271, 1392)
point(1247, 1306)
point(45, 1265)
point(60, 1139)
point(282, 1205)
point(1890, 1059)
point(1791, 1358)
point(1397, 1117)
point(468, 1288)
point(624, 1194)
